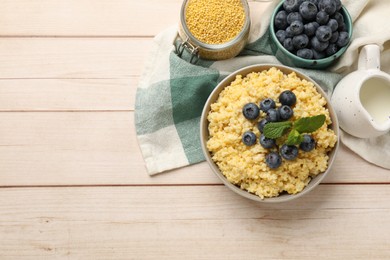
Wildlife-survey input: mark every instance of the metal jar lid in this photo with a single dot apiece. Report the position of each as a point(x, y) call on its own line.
point(198, 49)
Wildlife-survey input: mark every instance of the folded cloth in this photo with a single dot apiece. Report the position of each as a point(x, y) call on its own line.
point(172, 91)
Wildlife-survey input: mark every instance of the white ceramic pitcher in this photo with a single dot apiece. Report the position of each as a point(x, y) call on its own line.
point(362, 98)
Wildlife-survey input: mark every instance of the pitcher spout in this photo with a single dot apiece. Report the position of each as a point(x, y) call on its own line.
point(382, 127)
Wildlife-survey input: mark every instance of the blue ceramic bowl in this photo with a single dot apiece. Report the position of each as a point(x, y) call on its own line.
point(289, 59)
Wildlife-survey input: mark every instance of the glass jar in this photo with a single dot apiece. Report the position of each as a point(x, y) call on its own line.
point(199, 49)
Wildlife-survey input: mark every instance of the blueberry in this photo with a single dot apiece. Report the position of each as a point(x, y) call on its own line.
point(328, 6)
point(322, 17)
point(287, 44)
point(250, 111)
point(249, 138)
point(342, 27)
point(300, 41)
point(332, 49)
point(281, 35)
point(294, 16)
point(318, 55)
point(305, 53)
point(308, 10)
point(267, 142)
point(273, 160)
point(333, 25)
point(285, 112)
point(289, 152)
point(296, 27)
point(291, 5)
point(324, 33)
point(267, 104)
point(335, 37)
point(289, 32)
point(317, 45)
point(261, 124)
point(338, 5)
point(343, 39)
point(338, 17)
point(273, 115)
point(287, 98)
point(310, 28)
point(314, 2)
point(308, 143)
point(281, 20)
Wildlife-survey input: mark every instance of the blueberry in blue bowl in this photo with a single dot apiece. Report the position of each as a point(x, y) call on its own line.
point(310, 34)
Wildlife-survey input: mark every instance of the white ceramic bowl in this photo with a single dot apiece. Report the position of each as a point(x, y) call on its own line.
point(204, 134)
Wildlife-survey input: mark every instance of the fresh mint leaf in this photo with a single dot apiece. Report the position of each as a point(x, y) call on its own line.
point(309, 124)
point(275, 130)
point(294, 138)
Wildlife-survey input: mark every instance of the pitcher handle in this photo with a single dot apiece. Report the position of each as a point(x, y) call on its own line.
point(369, 58)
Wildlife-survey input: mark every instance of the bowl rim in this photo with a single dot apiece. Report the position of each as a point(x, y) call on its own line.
point(204, 133)
point(307, 61)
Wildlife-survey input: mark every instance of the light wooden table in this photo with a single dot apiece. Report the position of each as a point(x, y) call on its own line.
point(72, 180)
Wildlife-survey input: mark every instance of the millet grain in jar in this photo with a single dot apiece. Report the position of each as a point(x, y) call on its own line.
point(215, 21)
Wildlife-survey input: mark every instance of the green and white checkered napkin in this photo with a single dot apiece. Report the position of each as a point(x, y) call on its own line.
point(172, 91)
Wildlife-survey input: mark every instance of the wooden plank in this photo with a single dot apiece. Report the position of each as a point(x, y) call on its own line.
point(67, 94)
point(77, 149)
point(72, 58)
point(333, 221)
point(100, 148)
point(89, 18)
